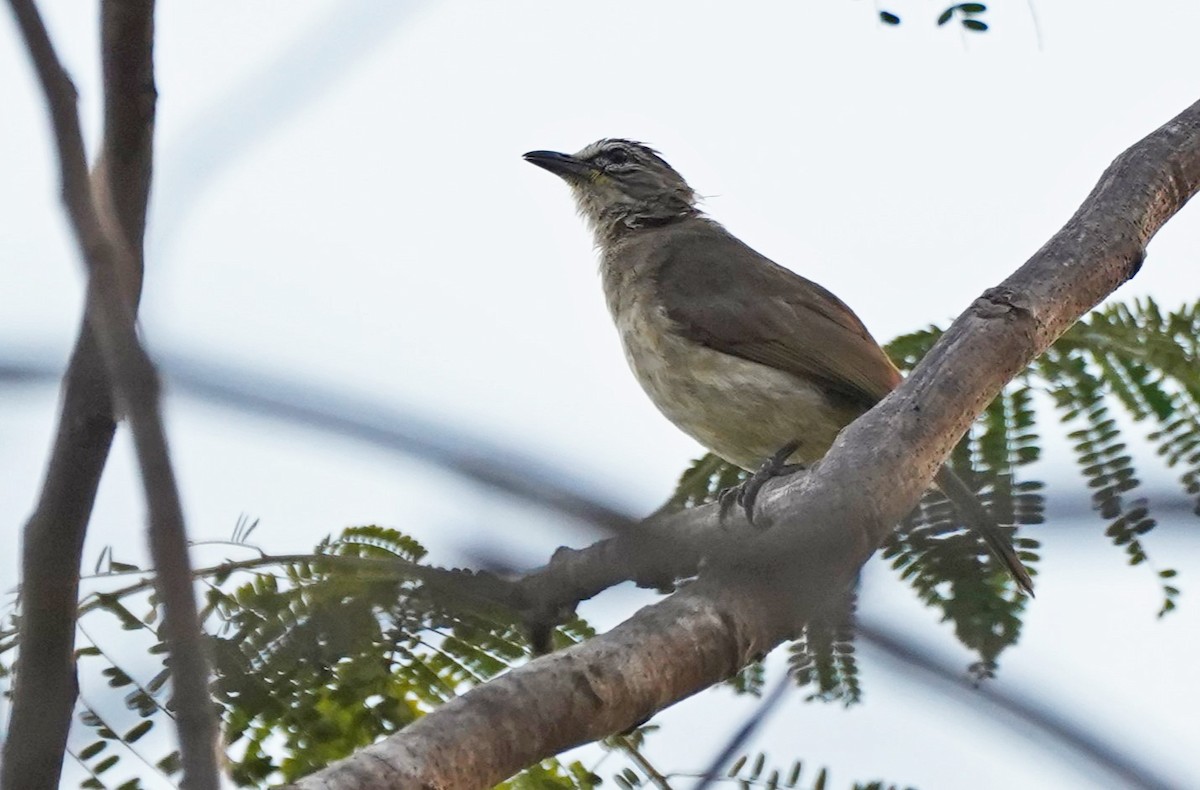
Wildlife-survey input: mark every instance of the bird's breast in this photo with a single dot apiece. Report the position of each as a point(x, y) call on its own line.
point(741, 410)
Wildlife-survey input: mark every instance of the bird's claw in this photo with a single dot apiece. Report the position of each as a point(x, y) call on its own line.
point(745, 494)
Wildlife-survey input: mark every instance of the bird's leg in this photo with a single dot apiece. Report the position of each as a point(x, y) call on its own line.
point(746, 492)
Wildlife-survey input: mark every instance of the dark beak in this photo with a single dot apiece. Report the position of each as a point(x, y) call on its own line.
point(563, 165)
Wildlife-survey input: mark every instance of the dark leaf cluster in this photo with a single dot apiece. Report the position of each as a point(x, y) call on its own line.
point(968, 15)
point(822, 659)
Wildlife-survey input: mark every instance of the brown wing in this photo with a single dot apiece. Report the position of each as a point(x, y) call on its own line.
point(727, 296)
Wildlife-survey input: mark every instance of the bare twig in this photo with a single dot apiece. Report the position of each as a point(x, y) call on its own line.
point(445, 446)
point(124, 745)
point(635, 755)
point(53, 537)
point(476, 591)
point(474, 458)
point(748, 728)
point(96, 214)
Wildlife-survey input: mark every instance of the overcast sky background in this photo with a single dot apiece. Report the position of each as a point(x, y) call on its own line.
point(340, 200)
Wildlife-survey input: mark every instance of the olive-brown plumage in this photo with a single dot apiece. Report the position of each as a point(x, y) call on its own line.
point(743, 355)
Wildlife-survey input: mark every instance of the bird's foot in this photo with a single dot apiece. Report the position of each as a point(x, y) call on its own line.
point(745, 494)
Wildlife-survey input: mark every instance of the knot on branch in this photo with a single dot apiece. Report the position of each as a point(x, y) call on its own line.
point(1001, 302)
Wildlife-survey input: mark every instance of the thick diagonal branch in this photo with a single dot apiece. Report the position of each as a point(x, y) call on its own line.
point(828, 522)
point(103, 212)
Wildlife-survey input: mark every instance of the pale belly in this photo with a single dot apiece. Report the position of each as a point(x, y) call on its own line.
point(740, 410)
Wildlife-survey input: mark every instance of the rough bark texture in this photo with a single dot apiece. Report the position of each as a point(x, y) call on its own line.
point(102, 211)
point(827, 523)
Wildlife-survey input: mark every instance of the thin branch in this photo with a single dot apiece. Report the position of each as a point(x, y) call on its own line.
point(385, 427)
point(655, 776)
point(129, 747)
point(160, 707)
point(1037, 26)
point(828, 522)
point(735, 744)
point(82, 764)
point(923, 667)
point(473, 589)
point(106, 250)
point(43, 700)
point(474, 458)
point(306, 406)
point(121, 178)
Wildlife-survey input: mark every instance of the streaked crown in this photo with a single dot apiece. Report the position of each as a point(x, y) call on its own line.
point(621, 185)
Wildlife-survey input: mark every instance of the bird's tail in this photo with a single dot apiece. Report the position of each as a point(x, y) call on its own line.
point(973, 512)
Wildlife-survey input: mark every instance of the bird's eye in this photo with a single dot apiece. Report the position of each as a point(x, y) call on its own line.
point(618, 156)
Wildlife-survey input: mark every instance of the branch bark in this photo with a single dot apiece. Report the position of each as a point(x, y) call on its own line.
point(107, 215)
point(43, 699)
point(53, 538)
point(828, 522)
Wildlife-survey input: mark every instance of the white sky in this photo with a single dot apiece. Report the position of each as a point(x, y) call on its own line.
point(341, 199)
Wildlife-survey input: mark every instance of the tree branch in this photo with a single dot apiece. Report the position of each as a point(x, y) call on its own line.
point(306, 405)
point(53, 538)
point(121, 178)
point(1029, 713)
point(52, 547)
point(827, 522)
point(98, 209)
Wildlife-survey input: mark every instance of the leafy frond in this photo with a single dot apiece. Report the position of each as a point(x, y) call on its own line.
point(756, 771)
point(1144, 359)
point(822, 659)
point(703, 482)
point(553, 775)
point(314, 656)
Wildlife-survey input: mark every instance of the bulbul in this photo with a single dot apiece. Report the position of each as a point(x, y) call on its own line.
point(756, 363)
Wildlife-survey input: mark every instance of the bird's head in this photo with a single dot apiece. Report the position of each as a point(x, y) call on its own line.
point(620, 185)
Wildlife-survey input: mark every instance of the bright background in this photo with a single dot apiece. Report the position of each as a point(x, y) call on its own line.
point(340, 202)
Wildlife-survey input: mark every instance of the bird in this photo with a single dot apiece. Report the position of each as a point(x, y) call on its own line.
point(758, 364)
